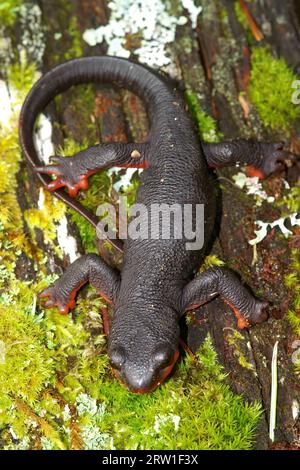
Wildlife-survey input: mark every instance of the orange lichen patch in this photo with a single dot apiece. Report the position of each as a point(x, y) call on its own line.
point(133, 41)
point(103, 104)
point(251, 171)
point(119, 135)
point(256, 31)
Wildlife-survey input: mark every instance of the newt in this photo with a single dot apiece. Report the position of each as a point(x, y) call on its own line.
point(157, 282)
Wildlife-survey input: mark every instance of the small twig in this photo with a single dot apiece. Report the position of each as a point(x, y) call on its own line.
point(273, 404)
point(257, 33)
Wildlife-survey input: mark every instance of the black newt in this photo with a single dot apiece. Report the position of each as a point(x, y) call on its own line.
point(156, 284)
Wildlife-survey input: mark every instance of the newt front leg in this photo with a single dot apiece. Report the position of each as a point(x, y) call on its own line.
point(74, 172)
point(89, 268)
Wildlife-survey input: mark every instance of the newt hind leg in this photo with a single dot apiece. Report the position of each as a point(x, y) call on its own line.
point(261, 158)
point(73, 173)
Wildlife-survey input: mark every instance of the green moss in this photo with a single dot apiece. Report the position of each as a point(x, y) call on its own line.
point(292, 282)
point(27, 365)
point(291, 200)
point(210, 261)
point(75, 49)
point(207, 126)
point(8, 12)
point(51, 210)
point(242, 18)
point(193, 410)
point(235, 339)
point(271, 91)
point(21, 77)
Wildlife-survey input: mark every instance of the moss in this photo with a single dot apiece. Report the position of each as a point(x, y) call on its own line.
point(271, 91)
point(291, 200)
point(235, 339)
point(21, 77)
point(207, 126)
point(210, 261)
point(193, 410)
point(75, 49)
point(27, 366)
point(243, 20)
point(240, 14)
point(292, 282)
point(51, 209)
point(8, 12)
point(63, 34)
point(11, 221)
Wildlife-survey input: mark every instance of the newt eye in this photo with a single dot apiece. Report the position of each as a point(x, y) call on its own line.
point(117, 357)
point(162, 357)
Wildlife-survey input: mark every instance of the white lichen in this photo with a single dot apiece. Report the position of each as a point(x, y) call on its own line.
point(253, 187)
point(295, 409)
point(66, 414)
point(124, 180)
point(86, 404)
point(32, 32)
point(93, 439)
point(67, 243)
point(262, 231)
point(149, 20)
point(193, 11)
point(9, 105)
point(43, 139)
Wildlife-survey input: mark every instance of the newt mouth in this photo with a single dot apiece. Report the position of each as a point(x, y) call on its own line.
point(163, 374)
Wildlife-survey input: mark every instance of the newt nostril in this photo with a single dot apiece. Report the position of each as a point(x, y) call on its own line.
point(117, 357)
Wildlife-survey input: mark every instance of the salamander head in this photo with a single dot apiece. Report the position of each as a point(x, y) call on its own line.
point(141, 361)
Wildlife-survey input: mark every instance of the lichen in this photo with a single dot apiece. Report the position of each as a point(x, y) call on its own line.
point(271, 91)
point(153, 23)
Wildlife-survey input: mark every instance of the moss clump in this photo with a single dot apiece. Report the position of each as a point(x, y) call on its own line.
point(27, 365)
point(292, 282)
point(207, 126)
point(21, 77)
point(235, 340)
point(195, 409)
point(241, 16)
point(8, 12)
point(271, 91)
point(50, 209)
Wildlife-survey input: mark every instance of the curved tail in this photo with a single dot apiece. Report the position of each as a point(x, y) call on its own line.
point(101, 69)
